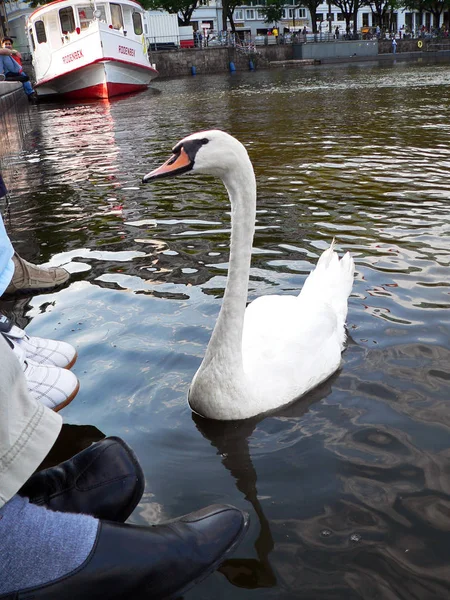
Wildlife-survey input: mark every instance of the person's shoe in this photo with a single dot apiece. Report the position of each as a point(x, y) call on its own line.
point(39, 350)
point(159, 562)
point(52, 386)
point(32, 278)
point(2, 77)
point(33, 98)
point(105, 480)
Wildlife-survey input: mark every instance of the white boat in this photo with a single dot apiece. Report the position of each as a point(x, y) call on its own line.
point(90, 50)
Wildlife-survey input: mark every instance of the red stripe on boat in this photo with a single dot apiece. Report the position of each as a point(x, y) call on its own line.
point(103, 91)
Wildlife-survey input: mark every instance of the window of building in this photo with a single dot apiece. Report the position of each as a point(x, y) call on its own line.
point(365, 20)
point(340, 17)
point(302, 13)
point(203, 3)
point(238, 15)
point(284, 14)
point(40, 32)
point(116, 16)
point(260, 15)
point(319, 17)
point(67, 20)
point(137, 23)
point(250, 14)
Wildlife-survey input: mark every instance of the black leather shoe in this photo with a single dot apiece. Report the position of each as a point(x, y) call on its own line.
point(104, 480)
point(149, 563)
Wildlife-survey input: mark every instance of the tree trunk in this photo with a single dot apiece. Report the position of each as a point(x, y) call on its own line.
point(224, 14)
point(232, 25)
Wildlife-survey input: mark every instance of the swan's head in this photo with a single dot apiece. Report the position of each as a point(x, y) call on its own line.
point(211, 152)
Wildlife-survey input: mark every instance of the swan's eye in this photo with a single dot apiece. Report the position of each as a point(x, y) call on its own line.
point(204, 141)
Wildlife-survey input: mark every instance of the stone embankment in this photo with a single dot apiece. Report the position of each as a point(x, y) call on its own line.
point(175, 63)
point(10, 93)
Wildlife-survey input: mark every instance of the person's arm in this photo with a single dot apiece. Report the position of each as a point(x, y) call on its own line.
point(8, 52)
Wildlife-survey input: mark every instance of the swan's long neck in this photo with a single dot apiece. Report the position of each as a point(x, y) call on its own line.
point(226, 339)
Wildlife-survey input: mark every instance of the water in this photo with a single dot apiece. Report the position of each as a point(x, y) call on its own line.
point(349, 488)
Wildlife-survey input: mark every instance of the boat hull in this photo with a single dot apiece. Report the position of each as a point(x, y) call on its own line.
point(102, 79)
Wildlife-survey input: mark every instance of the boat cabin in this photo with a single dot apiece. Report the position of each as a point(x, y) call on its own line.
point(60, 22)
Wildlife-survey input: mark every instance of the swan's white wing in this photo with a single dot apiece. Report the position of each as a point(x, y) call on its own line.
point(289, 347)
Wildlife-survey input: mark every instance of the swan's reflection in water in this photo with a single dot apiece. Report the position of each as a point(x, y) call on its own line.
point(231, 438)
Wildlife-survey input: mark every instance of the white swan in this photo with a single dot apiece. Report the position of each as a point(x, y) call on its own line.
point(264, 356)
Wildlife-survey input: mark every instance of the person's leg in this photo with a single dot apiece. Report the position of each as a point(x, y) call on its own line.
point(53, 555)
point(39, 545)
point(11, 67)
point(48, 555)
point(28, 88)
point(27, 428)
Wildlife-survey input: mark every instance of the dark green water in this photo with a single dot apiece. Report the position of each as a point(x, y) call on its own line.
point(348, 489)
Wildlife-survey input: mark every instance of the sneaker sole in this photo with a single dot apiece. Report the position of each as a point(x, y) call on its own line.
point(27, 291)
point(72, 362)
point(68, 400)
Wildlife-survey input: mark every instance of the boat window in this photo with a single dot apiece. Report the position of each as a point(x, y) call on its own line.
point(67, 20)
point(116, 16)
point(30, 31)
point(86, 15)
point(137, 23)
point(40, 32)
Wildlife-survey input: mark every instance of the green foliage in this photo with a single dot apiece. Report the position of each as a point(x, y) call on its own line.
point(183, 8)
point(350, 8)
point(312, 6)
point(273, 11)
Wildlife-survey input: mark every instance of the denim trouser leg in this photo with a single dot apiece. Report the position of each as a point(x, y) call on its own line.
point(9, 65)
point(27, 88)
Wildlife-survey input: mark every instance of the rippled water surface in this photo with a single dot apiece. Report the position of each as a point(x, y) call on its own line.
point(349, 488)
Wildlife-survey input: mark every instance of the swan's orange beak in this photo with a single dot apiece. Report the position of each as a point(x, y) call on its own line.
point(178, 163)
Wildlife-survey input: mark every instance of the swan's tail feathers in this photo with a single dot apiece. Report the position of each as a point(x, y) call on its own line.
point(331, 282)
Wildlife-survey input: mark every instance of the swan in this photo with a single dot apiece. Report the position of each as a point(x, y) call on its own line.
point(268, 354)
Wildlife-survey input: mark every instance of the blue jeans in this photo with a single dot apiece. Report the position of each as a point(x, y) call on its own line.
point(11, 68)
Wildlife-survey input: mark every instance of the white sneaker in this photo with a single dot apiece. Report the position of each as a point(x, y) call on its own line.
point(43, 351)
point(52, 386)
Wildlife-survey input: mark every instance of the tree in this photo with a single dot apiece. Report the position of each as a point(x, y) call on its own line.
point(182, 8)
point(273, 11)
point(228, 7)
point(349, 8)
point(312, 6)
point(382, 11)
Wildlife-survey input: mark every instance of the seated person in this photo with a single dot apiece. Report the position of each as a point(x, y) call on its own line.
point(11, 67)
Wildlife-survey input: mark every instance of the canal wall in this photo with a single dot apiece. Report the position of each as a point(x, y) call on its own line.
point(10, 95)
point(15, 123)
point(182, 62)
point(173, 63)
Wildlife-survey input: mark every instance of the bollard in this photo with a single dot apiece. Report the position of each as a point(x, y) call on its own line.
point(232, 67)
point(251, 66)
point(193, 70)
